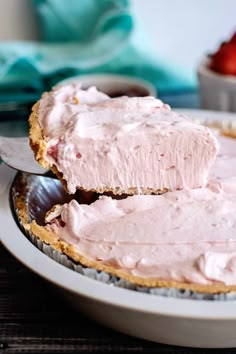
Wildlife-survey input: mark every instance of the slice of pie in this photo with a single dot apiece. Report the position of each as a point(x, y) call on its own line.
point(121, 145)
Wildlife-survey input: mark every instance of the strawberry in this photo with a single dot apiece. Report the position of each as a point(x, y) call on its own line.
point(233, 38)
point(224, 60)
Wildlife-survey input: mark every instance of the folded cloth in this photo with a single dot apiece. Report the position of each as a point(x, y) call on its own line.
point(88, 36)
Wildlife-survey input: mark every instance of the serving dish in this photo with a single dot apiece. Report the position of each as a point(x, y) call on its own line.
point(186, 322)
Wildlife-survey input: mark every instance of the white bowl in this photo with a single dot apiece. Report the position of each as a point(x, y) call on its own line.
point(217, 91)
point(114, 85)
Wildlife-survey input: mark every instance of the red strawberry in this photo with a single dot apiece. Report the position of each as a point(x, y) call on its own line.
point(233, 39)
point(224, 60)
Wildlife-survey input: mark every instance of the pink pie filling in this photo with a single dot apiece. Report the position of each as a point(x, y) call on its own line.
point(187, 236)
point(121, 143)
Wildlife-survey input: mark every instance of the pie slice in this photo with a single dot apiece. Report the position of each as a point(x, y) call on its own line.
point(123, 145)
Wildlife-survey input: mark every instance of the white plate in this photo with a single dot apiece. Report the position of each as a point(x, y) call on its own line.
point(193, 323)
point(207, 115)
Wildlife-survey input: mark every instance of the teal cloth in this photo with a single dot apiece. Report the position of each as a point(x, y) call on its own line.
point(81, 37)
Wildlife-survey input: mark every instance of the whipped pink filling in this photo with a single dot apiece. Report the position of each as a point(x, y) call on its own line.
point(186, 236)
point(223, 171)
point(123, 143)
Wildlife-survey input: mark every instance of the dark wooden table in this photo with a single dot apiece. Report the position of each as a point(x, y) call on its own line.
point(34, 320)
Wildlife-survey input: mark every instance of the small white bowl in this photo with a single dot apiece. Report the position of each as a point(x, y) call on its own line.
point(115, 85)
point(217, 91)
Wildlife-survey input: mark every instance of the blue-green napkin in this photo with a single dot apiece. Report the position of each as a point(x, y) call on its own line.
point(80, 37)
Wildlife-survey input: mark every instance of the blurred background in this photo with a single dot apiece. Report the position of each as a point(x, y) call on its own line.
point(180, 31)
point(161, 41)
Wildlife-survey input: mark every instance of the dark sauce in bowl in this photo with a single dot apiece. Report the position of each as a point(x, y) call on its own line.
point(130, 92)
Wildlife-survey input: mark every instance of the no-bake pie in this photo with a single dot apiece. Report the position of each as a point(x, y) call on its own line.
point(184, 238)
